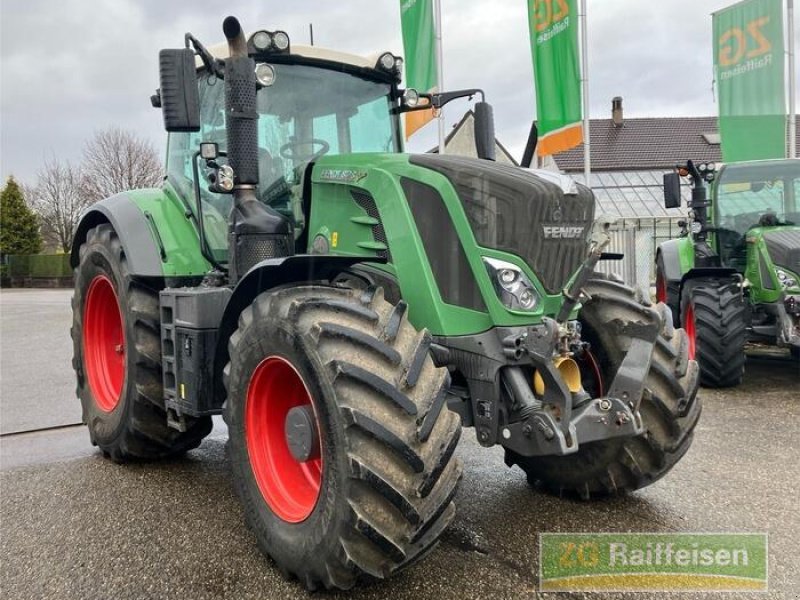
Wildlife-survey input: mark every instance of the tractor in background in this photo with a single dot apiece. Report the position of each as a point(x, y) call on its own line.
point(348, 308)
point(733, 278)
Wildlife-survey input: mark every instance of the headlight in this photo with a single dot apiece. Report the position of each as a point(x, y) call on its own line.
point(262, 40)
point(386, 61)
point(281, 40)
point(788, 280)
point(512, 286)
point(265, 74)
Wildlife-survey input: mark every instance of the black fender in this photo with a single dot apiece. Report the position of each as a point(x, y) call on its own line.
point(668, 253)
point(266, 275)
point(671, 261)
point(133, 229)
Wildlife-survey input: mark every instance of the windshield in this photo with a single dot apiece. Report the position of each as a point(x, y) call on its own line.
point(308, 112)
point(758, 195)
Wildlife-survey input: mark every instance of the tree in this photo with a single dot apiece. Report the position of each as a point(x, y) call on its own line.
point(59, 197)
point(116, 160)
point(19, 227)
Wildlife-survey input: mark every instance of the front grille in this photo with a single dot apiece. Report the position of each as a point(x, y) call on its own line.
point(367, 203)
point(784, 248)
point(444, 251)
point(513, 210)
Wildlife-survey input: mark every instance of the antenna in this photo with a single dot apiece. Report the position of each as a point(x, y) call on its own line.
point(311, 32)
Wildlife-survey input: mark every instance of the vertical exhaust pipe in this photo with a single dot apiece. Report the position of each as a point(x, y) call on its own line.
point(241, 117)
point(257, 232)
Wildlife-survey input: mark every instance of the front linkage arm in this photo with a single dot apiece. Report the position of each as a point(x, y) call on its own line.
point(556, 425)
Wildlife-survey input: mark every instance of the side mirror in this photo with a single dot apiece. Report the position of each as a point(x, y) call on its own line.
point(672, 190)
point(484, 131)
point(180, 100)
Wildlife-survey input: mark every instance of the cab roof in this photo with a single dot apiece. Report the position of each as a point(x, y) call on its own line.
point(313, 52)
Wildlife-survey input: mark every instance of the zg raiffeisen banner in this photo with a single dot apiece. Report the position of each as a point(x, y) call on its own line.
point(749, 68)
point(556, 68)
point(420, 55)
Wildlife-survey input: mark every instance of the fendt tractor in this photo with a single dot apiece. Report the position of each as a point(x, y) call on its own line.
point(348, 308)
point(733, 277)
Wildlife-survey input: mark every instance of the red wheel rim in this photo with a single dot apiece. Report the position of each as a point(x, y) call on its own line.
point(104, 343)
point(289, 487)
point(688, 325)
point(661, 288)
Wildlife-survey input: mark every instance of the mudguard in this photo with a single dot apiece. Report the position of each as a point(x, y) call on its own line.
point(156, 231)
point(130, 224)
point(677, 257)
point(269, 274)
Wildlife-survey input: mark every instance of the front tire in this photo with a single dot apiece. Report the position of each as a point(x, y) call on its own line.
point(117, 357)
point(669, 407)
point(366, 485)
point(715, 316)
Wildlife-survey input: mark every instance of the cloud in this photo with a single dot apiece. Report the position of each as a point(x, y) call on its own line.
point(71, 67)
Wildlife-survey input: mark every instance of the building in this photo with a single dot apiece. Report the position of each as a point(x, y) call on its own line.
point(461, 141)
point(630, 156)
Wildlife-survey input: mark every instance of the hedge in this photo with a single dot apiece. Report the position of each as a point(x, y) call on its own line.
point(36, 266)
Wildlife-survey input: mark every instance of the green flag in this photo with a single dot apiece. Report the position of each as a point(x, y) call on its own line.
point(556, 68)
point(419, 43)
point(749, 68)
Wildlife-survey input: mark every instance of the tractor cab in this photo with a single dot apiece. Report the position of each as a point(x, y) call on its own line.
point(311, 102)
point(754, 199)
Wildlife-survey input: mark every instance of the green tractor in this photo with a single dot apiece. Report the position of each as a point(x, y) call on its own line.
point(733, 277)
point(348, 308)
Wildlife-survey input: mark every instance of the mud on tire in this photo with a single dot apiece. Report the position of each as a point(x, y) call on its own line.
point(388, 475)
point(669, 407)
point(126, 419)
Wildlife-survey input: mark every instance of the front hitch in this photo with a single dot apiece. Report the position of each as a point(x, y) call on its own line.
point(563, 419)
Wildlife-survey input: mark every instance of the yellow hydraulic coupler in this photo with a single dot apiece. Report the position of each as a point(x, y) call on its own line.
point(570, 374)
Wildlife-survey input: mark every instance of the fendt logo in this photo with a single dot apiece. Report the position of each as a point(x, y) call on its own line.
point(562, 232)
point(737, 44)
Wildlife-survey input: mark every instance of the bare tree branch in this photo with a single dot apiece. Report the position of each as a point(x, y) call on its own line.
point(59, 196)
point(116, 160)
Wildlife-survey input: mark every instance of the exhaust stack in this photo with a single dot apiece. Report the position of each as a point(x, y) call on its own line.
point(257, 232)
point(241, 117)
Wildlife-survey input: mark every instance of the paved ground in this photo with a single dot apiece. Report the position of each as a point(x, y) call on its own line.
point(37, 386)
point(74, 525)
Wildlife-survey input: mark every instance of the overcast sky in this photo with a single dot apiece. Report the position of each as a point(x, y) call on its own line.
point(70, 67)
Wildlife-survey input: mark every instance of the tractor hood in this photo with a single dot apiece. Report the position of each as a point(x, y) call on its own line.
point(783, 245)
point(517, 211)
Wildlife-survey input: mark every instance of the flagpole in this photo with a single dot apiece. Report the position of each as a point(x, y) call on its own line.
point(437, 11)
point(587, 154)
point(792, 83)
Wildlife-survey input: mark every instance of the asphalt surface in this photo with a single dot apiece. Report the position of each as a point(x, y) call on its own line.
point(74, 525)
point(37, 386)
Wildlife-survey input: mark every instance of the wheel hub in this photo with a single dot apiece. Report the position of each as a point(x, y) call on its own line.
point(301, 433)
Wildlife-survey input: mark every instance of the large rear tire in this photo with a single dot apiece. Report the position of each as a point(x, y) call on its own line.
point(715, 317)
point(117, 357)
point(669, 406)
point(364, 484)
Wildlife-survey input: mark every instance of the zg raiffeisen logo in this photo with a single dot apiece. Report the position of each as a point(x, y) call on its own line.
point(652, 562)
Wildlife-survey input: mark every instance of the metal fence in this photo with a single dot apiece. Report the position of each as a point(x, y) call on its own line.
point(637, 240)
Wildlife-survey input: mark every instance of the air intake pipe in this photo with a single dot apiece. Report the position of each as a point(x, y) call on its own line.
point(257, 232)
